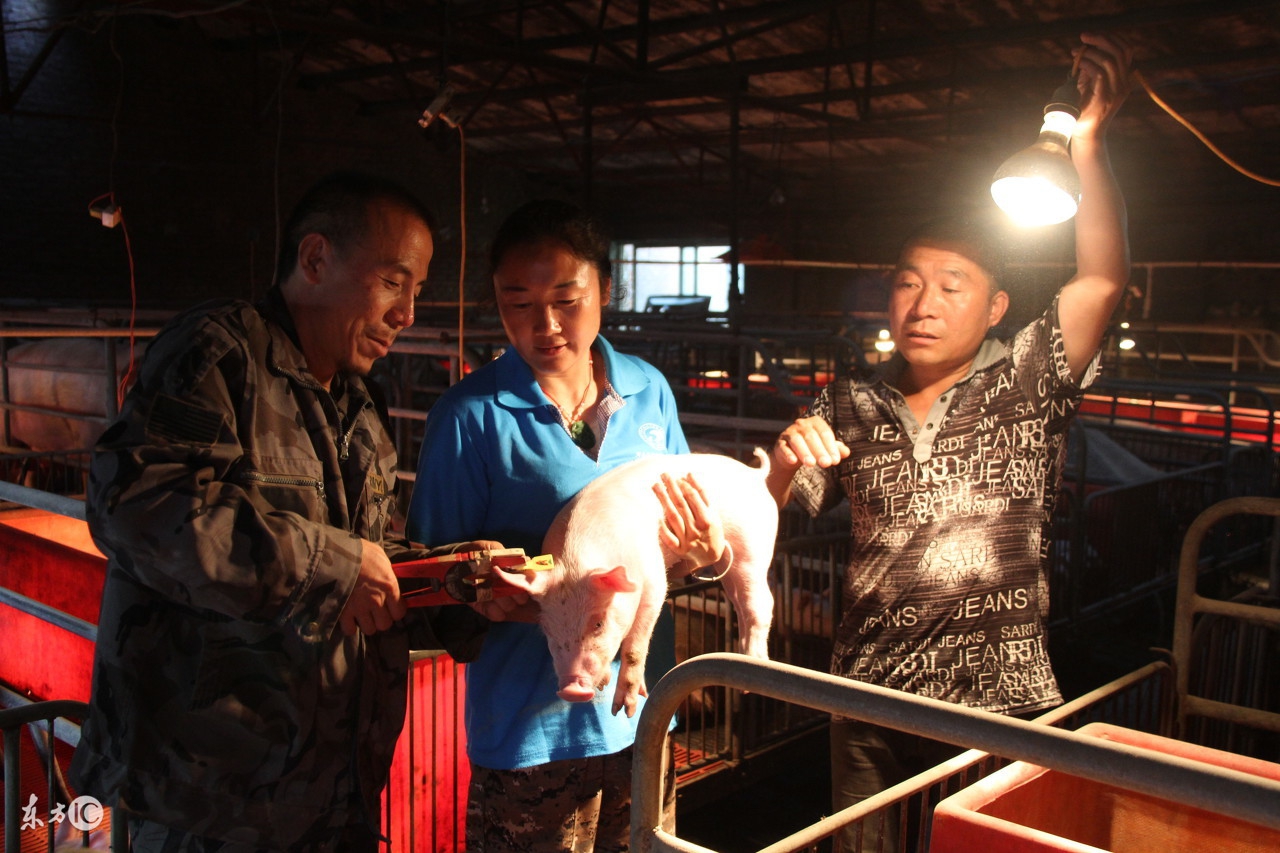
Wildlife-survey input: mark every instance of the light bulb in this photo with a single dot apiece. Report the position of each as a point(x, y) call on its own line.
point(1039, 185)
point(884, 343)
point(1127, 343)
point(1060, 122)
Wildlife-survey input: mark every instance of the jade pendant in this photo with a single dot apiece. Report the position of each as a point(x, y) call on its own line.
point(582, 435)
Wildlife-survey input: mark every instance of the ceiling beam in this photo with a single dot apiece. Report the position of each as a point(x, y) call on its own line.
point(927, 128)
point(1003, 80)
point(609, 84)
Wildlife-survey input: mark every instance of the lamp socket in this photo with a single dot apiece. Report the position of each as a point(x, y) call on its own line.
point(436, 109)
point(109, 214)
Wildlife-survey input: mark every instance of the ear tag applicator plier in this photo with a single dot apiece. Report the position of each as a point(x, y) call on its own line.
point(465, 577)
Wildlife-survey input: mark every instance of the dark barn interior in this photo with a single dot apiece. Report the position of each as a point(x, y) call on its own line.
point(151, 149)
point(813, 131)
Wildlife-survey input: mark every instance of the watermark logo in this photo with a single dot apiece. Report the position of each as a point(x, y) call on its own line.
point(84, 813)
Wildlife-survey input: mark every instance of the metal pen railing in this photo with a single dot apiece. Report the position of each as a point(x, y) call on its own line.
point(1190, 604)
point(1221, 790)
point(41, 720)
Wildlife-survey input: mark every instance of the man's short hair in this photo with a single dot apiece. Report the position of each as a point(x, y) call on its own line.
point(337, 206)
point(979, 238)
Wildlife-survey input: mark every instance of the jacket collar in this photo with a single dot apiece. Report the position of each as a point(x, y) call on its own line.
point(517, 388)
point(284, 354)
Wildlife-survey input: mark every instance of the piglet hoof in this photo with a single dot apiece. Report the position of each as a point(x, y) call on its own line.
point(628, 696)
point(630, 702)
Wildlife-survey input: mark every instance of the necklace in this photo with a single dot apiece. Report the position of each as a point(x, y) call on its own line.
point(580, 432)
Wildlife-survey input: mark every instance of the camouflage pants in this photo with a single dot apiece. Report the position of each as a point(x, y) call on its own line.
point(149, 837)
point(573, 806)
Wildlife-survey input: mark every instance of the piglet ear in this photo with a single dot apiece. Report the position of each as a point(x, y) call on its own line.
point(534, 583)
point(613, 580)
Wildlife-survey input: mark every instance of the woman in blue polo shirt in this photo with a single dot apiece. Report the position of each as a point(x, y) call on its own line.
point(504, 450)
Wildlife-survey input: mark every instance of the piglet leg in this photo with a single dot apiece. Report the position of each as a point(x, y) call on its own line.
point(635, 650)
point(748, 590)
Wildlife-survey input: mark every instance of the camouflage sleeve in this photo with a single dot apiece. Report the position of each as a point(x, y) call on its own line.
point(172, 501)
point(456, 628)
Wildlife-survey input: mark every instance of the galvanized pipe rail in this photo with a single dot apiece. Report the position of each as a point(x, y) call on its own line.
point(1228, 792)
point(1167, 395)
point(12, 722)
point(1264, 342)
point(72, 508)
point(45, 716)
point(59, 504)
point(1190, 603)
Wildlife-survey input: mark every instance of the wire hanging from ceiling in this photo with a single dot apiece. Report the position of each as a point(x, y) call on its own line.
point(462, 242)
point(1198, 135)
point(438, 109)
point(124, 381)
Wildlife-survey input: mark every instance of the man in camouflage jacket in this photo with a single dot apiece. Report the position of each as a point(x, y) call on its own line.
point(251, 667)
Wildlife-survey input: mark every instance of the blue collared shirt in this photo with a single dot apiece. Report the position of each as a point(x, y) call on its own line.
point(497, 463)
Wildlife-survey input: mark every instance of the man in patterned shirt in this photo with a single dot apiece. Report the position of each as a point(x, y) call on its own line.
point(949, 457)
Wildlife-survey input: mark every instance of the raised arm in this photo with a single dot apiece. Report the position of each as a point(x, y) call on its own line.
point(1102, 242)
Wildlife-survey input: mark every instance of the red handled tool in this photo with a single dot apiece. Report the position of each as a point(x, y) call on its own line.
point(466, 576)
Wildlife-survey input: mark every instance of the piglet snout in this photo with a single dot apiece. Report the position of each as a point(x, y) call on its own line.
point(576, 690)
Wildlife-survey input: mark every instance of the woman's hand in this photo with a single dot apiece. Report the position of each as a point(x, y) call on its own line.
point(690, 529)
point(517, 607)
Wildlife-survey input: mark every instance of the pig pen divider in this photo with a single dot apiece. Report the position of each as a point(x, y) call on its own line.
point(1214, 642)
point(722, 730)
point(1216, 789)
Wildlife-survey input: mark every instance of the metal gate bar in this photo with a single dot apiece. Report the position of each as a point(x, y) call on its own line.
point(1227, 792)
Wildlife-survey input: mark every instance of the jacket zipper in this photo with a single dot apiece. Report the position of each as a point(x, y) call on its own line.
point(344, 440)
point(283, 480)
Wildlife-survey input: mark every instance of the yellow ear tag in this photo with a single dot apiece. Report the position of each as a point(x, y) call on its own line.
point(541, 563)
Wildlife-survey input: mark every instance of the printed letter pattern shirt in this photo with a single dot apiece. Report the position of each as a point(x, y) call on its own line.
point(946, 593)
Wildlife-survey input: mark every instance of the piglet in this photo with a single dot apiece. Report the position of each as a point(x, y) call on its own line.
point(610, 576)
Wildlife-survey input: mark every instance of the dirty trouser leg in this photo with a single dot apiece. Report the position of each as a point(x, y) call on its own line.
point(614, 833)
point(581, 805)
point(862, 764)
point(866, 759)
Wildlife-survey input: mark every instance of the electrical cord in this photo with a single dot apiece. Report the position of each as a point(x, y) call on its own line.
point(125, 380)
point(434, 110)
point(1198, 135)
point(462, 240)
point(1151, 93)
point(112, 215)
